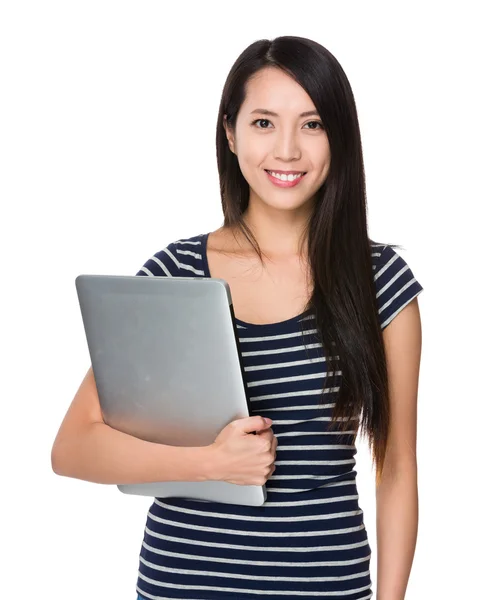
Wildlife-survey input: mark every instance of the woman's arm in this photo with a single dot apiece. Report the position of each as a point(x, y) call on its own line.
point(397, 494)
point(89, 449)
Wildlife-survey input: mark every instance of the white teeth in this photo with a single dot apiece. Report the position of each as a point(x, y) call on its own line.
point(284, 177)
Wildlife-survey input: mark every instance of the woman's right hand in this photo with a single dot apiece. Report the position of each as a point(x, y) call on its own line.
point(243, 458)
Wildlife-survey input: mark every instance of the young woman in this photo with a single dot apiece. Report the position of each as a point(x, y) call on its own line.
point(330, 335)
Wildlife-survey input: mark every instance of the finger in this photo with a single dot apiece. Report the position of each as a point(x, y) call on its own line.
point(267, 433)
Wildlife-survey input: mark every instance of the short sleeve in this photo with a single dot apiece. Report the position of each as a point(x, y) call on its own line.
point(396, 285)
point(162, 264)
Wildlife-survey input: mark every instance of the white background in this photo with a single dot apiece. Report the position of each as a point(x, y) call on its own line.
point(107, 128)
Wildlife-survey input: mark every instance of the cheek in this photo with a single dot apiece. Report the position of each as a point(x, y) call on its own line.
point(249, 167)
point(253, 149)
point(326, 167)
point(245, 160)
point(324, 160)
point(251, 159)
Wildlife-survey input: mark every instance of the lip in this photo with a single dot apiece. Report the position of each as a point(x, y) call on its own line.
point(284, 172)
point(285, 184)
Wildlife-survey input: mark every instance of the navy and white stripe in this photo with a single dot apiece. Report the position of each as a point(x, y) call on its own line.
point(308, 540)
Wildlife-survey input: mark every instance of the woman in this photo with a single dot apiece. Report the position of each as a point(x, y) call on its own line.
point(330, 336)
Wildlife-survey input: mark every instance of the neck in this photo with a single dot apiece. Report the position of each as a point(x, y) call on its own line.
point(279, 233)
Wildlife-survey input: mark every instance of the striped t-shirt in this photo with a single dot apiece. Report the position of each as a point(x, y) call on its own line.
point(308, 540)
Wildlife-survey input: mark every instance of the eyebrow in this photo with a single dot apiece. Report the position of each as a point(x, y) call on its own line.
point(270, 113)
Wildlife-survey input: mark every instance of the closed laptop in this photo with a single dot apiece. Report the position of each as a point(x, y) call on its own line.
point(164, 352)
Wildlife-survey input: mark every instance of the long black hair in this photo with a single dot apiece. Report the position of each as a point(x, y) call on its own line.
point(339, 250)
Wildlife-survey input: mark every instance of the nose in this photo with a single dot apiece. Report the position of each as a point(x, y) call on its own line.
point(287, 146)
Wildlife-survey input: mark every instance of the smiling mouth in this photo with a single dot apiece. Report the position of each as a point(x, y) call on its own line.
point(286, 175)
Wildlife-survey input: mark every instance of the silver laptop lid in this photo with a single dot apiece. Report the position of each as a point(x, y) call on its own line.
point(167, 367)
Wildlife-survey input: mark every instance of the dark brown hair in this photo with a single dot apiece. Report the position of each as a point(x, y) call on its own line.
point(339, 250)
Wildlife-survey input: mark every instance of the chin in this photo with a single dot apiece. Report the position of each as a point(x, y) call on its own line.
point(286, 203)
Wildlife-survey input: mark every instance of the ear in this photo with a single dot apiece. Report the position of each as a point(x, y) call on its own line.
point(229, 135)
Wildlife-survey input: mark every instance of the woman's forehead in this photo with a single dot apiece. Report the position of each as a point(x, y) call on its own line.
point(273, 90)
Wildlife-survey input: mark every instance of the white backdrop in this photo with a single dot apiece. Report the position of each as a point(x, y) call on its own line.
point(107, 125)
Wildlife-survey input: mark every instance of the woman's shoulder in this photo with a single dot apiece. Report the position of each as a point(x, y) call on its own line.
point(180, 258)
point(395, 283)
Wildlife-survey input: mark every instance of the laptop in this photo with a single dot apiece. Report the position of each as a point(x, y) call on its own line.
point(164, 352)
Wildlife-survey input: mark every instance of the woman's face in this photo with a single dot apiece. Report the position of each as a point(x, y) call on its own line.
point(275, 134)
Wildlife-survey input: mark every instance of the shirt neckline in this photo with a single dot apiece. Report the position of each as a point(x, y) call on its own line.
point(259, 326)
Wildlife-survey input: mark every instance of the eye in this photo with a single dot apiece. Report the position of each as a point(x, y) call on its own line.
point(315, 123)
point(318, 124)
point(261, 121)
